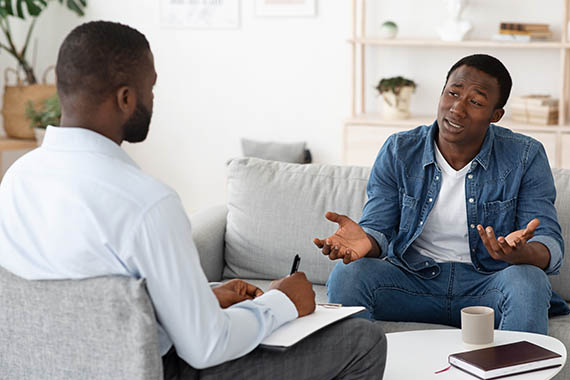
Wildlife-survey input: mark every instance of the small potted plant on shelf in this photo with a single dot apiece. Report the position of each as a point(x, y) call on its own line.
point(16, 95)
point(48, 114)
point(396, 94)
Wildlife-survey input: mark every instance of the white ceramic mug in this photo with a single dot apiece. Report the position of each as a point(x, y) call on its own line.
point(477, 325)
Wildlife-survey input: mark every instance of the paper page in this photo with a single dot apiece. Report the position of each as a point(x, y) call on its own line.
point(292, 332)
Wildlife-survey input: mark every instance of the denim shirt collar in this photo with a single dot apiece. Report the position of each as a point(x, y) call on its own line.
point(483, 157)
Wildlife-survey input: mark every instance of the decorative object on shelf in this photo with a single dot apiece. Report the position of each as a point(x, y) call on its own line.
point(16, 97)
point(388, 29)
point(454, 28)
point(286, 8)
point(48, 114)
point(396, 94)
point(534, 109)
point(218, 14)
point(523, 32)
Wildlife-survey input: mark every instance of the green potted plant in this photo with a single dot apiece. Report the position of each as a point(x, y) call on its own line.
point(396, 94)
point(48, 114)
point(28, 89)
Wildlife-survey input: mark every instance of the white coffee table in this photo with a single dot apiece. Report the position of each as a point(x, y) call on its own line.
point(419, 354)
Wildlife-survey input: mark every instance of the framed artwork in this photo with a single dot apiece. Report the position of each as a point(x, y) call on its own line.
point(285, 8)
point(200, 14)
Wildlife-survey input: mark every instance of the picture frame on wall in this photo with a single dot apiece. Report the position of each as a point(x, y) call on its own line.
point(200, 14)
point(285, 8)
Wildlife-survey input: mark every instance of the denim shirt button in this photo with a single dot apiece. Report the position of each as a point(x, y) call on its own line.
point(430, 200)
point(472, 225)
point(471, 200)
point(470, 176)
point(427, 264)
point(472, 249)
point(437, 178)
point(421, 222)
point(433, 273)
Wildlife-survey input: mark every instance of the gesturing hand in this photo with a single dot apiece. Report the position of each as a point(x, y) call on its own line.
point(511, 248)
point(235, 291)
point(348, 243)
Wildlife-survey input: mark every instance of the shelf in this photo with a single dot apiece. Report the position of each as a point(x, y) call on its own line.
point(376, 120)
point(460, 44)
point(7, 144)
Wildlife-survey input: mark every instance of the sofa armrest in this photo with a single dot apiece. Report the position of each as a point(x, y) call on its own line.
point(208, 231)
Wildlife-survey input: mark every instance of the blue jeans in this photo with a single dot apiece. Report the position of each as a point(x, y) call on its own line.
point(519, 294)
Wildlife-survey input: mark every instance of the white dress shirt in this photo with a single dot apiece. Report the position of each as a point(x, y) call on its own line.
point(79, 207)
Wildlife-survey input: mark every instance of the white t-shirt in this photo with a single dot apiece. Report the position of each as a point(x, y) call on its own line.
point(79, 207)
point(445, 236)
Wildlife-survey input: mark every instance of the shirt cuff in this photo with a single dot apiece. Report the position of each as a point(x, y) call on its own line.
point(380, 239)
point(283, 308)
point(555, 253)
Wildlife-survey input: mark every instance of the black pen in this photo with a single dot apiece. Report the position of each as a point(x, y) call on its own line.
point(296, 262)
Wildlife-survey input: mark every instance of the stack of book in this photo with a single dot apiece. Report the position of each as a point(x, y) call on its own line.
point(524, 32)
point(535, 109)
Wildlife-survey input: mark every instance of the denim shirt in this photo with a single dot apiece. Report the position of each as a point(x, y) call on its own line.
point(508, 184)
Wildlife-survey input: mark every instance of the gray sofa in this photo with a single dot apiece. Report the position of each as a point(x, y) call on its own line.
point(275, 209)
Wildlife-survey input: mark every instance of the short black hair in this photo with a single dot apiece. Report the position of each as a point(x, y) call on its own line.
point(489, 65)
point(99, 57)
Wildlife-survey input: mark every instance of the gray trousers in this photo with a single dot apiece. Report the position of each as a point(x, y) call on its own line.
point(353, 348)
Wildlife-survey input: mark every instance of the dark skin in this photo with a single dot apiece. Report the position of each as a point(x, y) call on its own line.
point(109, 116)
point(467, 106)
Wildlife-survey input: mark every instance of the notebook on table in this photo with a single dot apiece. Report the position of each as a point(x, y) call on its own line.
point(505, 360)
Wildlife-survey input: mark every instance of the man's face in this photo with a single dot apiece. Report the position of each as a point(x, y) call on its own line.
point(467, 107)
point(137, 126)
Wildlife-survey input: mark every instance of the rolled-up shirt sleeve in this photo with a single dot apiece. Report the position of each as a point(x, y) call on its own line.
point(160, 249)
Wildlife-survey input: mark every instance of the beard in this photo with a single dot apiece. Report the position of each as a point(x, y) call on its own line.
point(136, 128)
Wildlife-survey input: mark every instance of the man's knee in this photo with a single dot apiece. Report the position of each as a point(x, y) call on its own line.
point(369, 342)
point(526, 282)
point(345, 282)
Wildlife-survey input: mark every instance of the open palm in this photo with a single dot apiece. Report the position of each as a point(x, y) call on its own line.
point(349, 242)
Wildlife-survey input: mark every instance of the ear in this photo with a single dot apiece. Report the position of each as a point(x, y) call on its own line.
point(497, 115)
point(126, 100)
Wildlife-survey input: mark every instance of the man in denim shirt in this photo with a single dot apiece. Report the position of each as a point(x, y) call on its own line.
point(459, 213)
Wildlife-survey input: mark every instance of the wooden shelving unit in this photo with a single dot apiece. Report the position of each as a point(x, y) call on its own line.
point(555, 138)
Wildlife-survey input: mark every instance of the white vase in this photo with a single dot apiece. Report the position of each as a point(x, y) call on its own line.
point(39, 133)
point(454, 28)
point(397, 107)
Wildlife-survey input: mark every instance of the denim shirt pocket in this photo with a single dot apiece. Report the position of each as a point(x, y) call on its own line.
point(501, 216)
point(409, 205)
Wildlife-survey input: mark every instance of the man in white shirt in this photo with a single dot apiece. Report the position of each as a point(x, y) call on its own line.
point(79, 207)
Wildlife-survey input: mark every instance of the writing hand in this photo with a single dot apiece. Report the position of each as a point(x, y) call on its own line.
point(299, 290)
point(348, 243)
point(235, 291)
point(510, 248)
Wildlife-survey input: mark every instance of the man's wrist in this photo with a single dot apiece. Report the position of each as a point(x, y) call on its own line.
point(375, 250)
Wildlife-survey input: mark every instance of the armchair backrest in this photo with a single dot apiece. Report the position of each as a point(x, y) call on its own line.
point(97, 328)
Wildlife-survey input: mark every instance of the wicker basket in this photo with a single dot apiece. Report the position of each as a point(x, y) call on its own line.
point(16, 98)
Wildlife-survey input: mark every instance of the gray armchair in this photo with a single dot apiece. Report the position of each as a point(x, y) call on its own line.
point(98, 328)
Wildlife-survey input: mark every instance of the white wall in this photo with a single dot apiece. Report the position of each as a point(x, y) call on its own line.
point(281, 79)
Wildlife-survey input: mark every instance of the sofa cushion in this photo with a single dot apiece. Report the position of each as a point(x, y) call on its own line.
point(275, 210)
point(99, 328)
point(287, 152)
point(561, 282)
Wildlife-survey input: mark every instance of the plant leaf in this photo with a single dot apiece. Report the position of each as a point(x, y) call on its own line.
point(19, 9)
point(8, 8)
point(33, 8)
point(75, 7)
